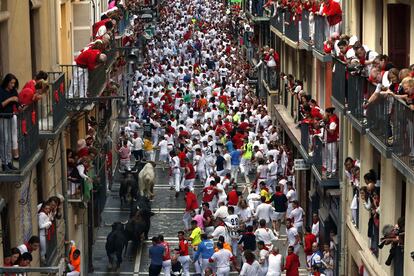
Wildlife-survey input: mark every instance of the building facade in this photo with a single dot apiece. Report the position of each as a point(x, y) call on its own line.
point(385, 27)
point(46, 35)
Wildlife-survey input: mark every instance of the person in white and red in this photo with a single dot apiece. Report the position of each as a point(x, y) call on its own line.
point(223, 259)
point(293, 237)
point(296, 215)
point(166, 261)
point(332, 136)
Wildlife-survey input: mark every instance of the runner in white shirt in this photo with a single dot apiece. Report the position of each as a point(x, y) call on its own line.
point(263, 258)
point(265, 234)
point(296, 215)
point(293, 237)
point(291, 196)
point(251, 267)
point(232, 222)
point(222, 259)
point(264, 211)
point(163, 145)
point(275, 263)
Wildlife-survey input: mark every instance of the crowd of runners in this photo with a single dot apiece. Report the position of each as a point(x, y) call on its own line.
point(193, 102)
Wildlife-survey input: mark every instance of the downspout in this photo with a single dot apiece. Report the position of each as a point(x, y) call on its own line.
point(64, 186)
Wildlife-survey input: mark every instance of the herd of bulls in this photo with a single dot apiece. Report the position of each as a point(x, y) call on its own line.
point(136, 190)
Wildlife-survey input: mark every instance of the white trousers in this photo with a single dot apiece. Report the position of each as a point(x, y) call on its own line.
point(223, 271)
point(331, 159)
point(185, 263)
point(166, 266)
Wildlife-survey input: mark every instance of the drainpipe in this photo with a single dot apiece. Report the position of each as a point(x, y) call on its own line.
point(64, 186)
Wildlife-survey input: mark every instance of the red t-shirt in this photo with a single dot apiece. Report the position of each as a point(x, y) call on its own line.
point(309, 240)
point(167, 255)
point(192, 174)
point(190, 201)
point(97, 25)
point(182, 156)
point(209, 193)
point(233, 197)
point(87, 58)
point(30, 84)
point(183, 245)
point(26, 96)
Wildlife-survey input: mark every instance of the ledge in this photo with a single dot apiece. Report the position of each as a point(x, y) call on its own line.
point(378, 144)
point(53, 134)
point(304, 45)
point(20, 175)
point(321, 56)
point(403, 167)
point(291, 43)
point(4, 16)
point(276, 31)
point(324, 182)
point(273, 92)
point(338, 105)
point(356, 123)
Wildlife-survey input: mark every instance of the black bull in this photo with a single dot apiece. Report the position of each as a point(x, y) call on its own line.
point(134, 230)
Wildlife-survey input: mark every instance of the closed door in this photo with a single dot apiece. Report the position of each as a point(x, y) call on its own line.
point(399, 34)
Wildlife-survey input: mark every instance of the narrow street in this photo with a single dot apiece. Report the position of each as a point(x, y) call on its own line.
point(167, 221)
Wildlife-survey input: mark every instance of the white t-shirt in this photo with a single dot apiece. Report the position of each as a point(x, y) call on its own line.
point(221, 231)
point(222, 258)
point(264, 211)
point(315, 230)
point(275, 265)
point(250, 269)
point(291, 233)
point(232, 222)
point(221, 212)
point(137, 143)
point(221, 193)
point(163, 144)
point(263, 255)
point(265, 234)
point(297, 216)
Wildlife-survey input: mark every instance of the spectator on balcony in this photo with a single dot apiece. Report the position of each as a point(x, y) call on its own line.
point(31, 245)
point(30, 95)
point(11, 257)
point(333, 12)
point(90, 59)
point(331, 140)
point(24, 261)
point(102, 27)
point(41, 75)
point(45, 223)
point(74, 261)
point(365, 58)
point(8, 122)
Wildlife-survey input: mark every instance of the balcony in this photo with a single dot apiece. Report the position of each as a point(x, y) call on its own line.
point(339, 85)
point(277, 22)
point(379, 126)
point(51, 244)
point(305, 39)
point(320, 36)
point(357, 94)
point(312, 150)
point(51, 107)
point(291, 29)
point(270, 78)
point(403, 136)
point(21, 132)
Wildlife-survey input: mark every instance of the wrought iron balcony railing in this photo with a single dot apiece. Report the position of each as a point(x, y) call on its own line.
point(19, 133)
point(51, 106)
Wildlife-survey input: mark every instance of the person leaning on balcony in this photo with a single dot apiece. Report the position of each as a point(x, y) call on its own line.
point(41, 75)
point(332, 136)
point(44, 224)
point(333, 12)
point(9, 102)
point(90, 59)
point(74, 261)
point(29, 95)
point(31, 245)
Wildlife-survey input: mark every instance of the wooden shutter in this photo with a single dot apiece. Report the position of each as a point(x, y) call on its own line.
point(399, 34)
point(82, 22)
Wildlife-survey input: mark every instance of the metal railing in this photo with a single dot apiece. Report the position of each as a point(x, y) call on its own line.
point(320, 32)
point(339, 83)
point(19, 132)
point(379, 117)
point(304, 136)
point(82, 83)
point(357, 87)
point(403, 133)
point(291, 27)
point(271, 77)
point(318, 153)
point(305, 26)
point(51, 243)
point(52, 105)
point(58, 270)
point(278, 21)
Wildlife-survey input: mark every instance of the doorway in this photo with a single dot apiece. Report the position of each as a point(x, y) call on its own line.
point(399, 34)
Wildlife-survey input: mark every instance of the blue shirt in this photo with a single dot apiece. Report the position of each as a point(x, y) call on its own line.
point(205, 249)
point(229, 146)
point(156, 253)
point(235, 157)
